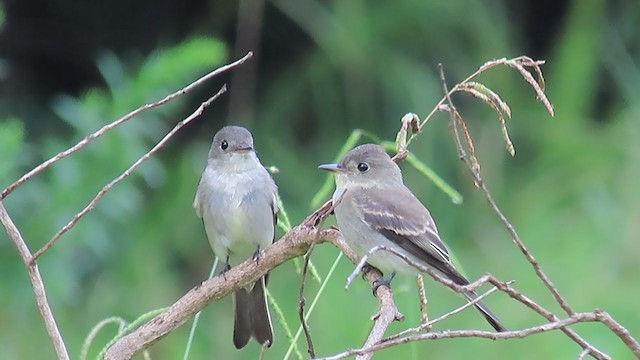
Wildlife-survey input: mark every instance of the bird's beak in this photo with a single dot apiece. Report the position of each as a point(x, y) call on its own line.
point(332, 167)
point(243, 149)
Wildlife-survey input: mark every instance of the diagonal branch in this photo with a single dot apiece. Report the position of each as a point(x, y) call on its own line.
point(127, 172)
point(474, 169)
point(295, 243)
point(574, 319)
point(12, 230)
point(38, 169)
point(36, 282)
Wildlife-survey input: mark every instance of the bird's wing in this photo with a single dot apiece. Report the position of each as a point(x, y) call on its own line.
point(197, 202)
point(274, 209)
point(400, 217)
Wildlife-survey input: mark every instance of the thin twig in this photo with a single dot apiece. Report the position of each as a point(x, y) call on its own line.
point(583, 354)
point(302, 301)
point(426, 325)
point(36, 282)
point(388, 311)
point(518, 334)
point(127, 172)
point(518, 63)
point(316, 219)
point(501, 286)
point(619, 330)
point(477, 177)
point(294, 339)
point(38, 169)
point(474, 169)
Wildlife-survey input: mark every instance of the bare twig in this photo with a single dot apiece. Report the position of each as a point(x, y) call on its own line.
point(501, 286)
point(474, 169)
point(25, 254)
point(575, 318)
point(36, 282)
point(388, 312)
point(477, 177)
point(315, 220)
point(302, 301)
point(38, 169)
point(295, 243)
point(426, 324)
point(619, 330)
point(521, 64)
point(127, 172)
point(583, 354)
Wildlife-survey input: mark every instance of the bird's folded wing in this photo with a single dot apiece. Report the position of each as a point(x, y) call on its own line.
point(400, 217)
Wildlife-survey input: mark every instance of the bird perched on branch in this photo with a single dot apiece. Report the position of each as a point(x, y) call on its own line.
point(236, 200)
point(373, 208)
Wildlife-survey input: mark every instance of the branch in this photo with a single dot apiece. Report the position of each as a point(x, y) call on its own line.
point(38, 169)
point(576, 318)
point(36, 282)
point(474, 168)
point(127, 172)
point(302, 301)
point(295, 243)
point(388, 311)
point(25, 254)
point(502, 286)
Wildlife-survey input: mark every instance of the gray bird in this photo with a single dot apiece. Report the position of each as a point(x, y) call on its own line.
point(236, 200)
point(373, 207)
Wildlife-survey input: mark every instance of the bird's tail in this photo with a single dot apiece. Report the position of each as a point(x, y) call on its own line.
point(457, 278)
point(252, 316)
point(490, 316)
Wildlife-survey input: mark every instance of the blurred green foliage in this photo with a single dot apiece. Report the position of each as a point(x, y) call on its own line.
point(571, 190)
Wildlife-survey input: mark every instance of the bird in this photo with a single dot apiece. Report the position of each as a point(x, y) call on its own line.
point(237, 201)
point(373, 208)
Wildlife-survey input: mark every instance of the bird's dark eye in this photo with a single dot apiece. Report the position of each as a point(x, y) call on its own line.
point(362, 167)
point(224, 145)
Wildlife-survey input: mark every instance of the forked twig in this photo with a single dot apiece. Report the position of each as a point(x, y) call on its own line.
point(474, 169)
point(127, 172)
point(14, 234)
point(36, 282)
point(452, 334)
point(429, 323)
point(38, 169)
point(302, 300)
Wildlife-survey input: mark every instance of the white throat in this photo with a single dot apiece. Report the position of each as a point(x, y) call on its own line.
point(236, 162)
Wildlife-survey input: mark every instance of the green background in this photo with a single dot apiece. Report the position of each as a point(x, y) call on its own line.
point(322, 70)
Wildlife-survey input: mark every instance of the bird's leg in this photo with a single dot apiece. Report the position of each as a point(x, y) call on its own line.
point(256, 255)
point(383, 282)
point(225, 268)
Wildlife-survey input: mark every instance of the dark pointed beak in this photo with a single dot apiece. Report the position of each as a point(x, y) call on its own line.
point(332, 167)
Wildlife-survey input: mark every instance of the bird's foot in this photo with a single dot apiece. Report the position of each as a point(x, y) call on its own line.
point(382, 282)
point(365, 269)
point(224, 270)
point(256, 255)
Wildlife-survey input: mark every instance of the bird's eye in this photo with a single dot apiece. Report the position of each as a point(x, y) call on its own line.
point(362, 167)
point(224, 145)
